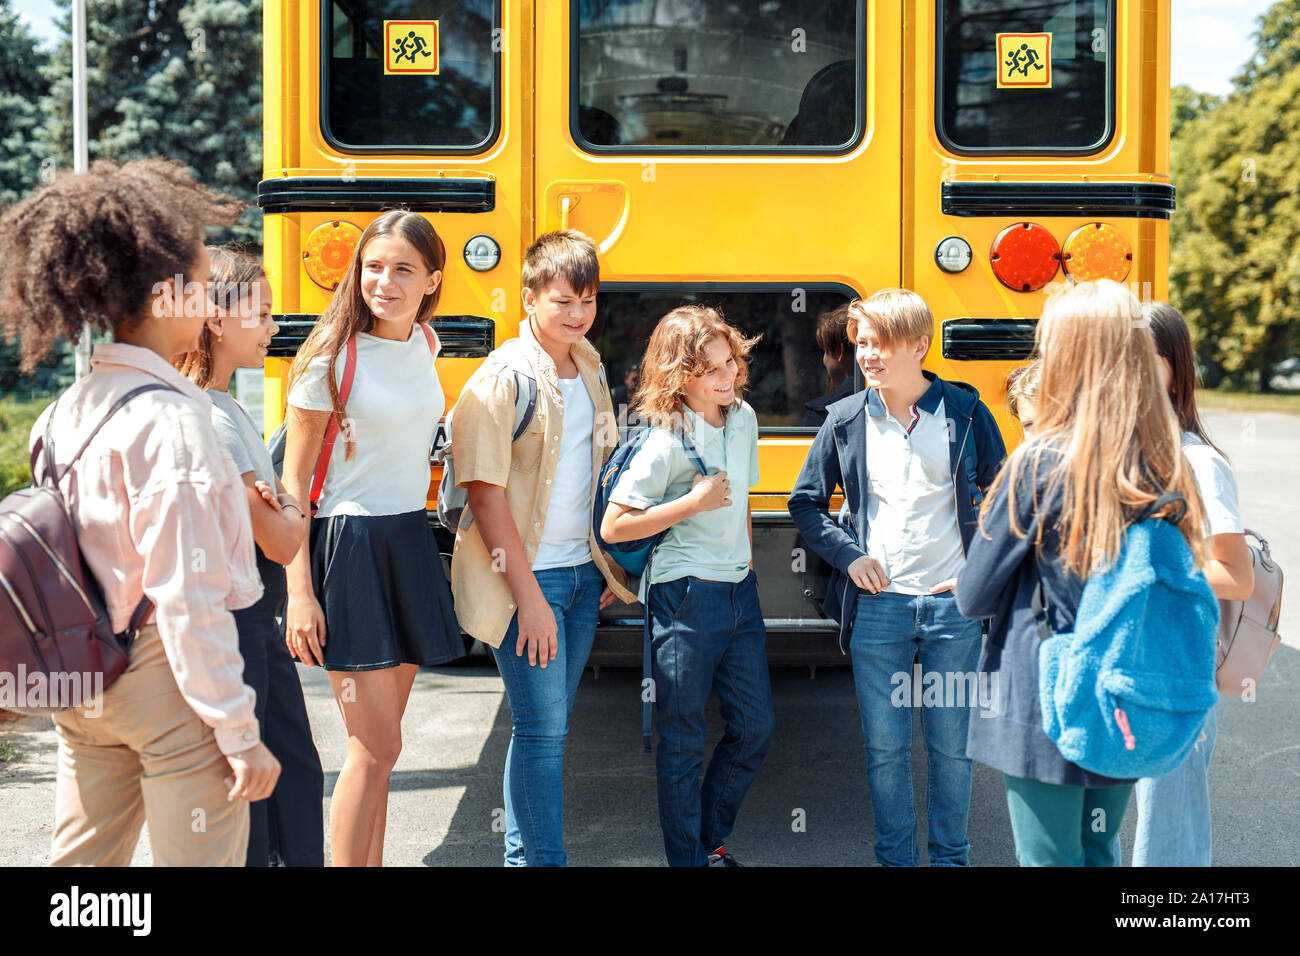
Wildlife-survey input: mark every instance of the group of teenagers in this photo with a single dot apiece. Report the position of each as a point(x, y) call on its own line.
point(935, 553)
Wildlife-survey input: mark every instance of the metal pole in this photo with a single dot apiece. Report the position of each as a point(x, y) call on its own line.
point(80, 152)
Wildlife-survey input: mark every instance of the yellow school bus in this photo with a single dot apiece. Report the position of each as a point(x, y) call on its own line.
point(774, 158)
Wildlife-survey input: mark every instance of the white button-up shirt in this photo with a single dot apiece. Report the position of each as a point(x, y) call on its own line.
point(912, 525)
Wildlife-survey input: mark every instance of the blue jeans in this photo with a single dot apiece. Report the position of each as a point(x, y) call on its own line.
point(1173, 823)
point(541, 700)
point(890, 631)
point(707, 636)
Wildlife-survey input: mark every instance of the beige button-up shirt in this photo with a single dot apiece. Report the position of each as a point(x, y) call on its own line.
point(159, 509)
point(482, 424)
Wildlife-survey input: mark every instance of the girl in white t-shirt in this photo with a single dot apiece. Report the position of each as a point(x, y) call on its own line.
point(1173, 826)
point(368, 599)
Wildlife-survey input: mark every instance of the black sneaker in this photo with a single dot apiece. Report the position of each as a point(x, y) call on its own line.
point(720, 857)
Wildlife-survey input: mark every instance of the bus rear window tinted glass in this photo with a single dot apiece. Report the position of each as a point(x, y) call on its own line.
point(696, 73)
point(1073, 113)
point(368, 108)
point(794, 371)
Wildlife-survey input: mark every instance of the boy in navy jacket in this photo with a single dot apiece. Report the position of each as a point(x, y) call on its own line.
point(913, 458)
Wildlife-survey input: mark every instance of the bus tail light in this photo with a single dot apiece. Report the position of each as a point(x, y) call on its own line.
point(1097, 251)
point(1025, 256)
point(329, 250)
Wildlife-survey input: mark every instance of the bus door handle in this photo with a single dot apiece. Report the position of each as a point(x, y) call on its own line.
point(567, 202)
point(605, 208)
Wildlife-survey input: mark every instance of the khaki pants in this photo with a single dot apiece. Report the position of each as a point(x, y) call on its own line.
point(146, 757)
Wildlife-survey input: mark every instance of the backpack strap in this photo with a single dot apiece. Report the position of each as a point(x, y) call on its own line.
point(44, 446)
point(525, 402)
point(432, 338)
point(1162, 502)
point(694, 455)
point(1038, 603)
point(647, 673)
point(332, 429)
point(127, 637)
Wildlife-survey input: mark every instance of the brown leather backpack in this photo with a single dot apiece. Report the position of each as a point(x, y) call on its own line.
point(57, 648)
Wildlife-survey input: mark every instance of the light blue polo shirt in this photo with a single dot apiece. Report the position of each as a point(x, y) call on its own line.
point(712, 545)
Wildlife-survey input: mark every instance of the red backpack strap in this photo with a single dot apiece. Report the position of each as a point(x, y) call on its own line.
point(432, 337)
point(332, 429)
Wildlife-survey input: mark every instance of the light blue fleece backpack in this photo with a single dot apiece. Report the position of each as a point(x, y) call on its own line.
point(1127, 693)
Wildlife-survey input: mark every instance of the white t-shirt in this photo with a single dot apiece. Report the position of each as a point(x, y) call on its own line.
point(1217, 484)
point(393, 411)
point(565, 536)
point(912, 525)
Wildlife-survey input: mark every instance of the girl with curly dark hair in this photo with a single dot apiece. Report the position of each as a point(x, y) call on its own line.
point(158, 509)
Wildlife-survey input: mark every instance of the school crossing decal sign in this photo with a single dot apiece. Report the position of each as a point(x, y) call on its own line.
point(411, 46)
point(1024, 61)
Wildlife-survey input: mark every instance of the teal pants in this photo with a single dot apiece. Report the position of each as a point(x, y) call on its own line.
point(1058, 825)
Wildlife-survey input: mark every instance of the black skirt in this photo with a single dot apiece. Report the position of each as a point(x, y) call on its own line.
point(380, 582)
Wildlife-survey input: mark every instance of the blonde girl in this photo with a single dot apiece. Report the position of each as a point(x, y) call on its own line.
point(1106, 446)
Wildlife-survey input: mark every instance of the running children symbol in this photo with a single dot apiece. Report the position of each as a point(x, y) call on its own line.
point(1024, 60)
point(411, 46)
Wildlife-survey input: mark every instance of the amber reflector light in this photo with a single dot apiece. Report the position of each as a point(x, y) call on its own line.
point(328, 251)
point(1097, 251)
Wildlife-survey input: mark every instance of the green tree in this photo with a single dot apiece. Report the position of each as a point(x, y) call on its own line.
point(176, 78)
point(22, 85)
point(1235, 255)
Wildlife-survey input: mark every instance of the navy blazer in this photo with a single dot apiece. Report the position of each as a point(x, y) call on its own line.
point(838, 459)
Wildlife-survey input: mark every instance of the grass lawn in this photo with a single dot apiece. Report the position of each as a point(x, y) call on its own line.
point(16, 419)
point(1288, 402)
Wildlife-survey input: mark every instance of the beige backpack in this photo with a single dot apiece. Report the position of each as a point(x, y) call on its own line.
point(1248, 634)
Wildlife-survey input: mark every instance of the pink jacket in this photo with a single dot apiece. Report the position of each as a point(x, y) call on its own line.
point(159, 509)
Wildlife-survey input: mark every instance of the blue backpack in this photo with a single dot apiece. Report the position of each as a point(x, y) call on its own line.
point(632, 556)
point(1127, 693)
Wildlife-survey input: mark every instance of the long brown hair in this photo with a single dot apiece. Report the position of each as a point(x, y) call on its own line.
point(347, 312)
point(233, 272)
point(1101, 410)
point(675, 354)
point(1174, 344)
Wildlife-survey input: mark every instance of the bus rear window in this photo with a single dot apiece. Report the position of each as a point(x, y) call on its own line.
point(1025, 77)
point(413, 75)
point(693, 74)
point(794, 371)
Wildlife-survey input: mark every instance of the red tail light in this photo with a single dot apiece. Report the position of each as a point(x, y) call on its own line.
point(1025, 256)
